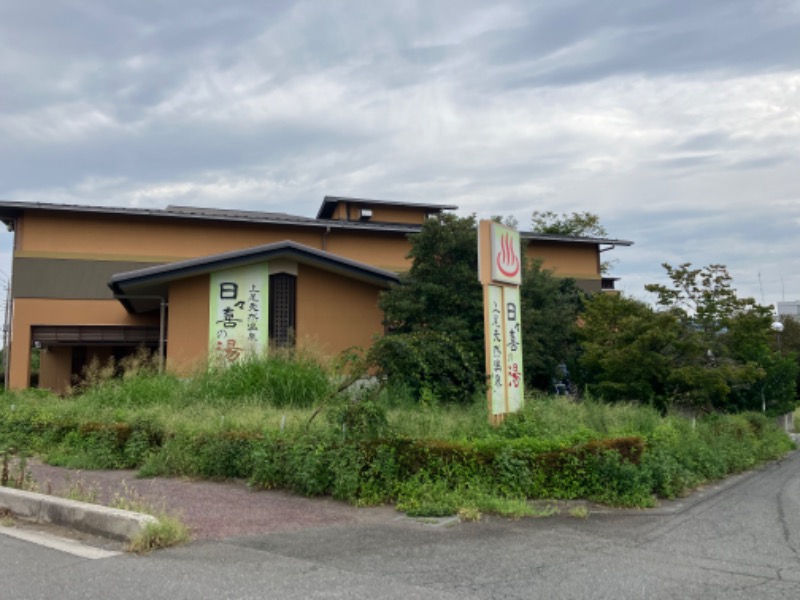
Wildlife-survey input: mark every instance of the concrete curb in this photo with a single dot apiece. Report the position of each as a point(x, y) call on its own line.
point(108, 522)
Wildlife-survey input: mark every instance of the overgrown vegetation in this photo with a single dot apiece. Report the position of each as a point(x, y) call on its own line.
point(415, 432)
point(703, 348)
point(707, 349)
point(435, 346)
point(168, 530)
point(374, 446)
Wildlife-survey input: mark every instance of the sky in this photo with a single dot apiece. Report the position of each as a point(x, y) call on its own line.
point(676, 121)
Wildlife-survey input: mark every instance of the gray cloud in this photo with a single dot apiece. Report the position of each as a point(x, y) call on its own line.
point(677, 122)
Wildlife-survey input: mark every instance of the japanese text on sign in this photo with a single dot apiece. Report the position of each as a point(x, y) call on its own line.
point(238, 313)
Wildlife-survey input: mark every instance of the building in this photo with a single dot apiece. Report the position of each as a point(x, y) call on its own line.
point(191, 282)
point(789, 309)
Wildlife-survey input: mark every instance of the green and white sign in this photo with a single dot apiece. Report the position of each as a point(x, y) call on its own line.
point(238, 319)
point(504, 349)
point(500, 273)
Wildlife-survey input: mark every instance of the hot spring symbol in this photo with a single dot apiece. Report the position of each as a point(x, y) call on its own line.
point(507, 259)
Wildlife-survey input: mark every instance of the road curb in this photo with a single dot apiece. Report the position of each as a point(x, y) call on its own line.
point(108, 522)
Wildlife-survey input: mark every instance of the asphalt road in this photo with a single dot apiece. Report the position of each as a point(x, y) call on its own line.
point(741, 541)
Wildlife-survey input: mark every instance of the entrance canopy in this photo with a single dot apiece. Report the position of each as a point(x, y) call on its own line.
point(143, 290)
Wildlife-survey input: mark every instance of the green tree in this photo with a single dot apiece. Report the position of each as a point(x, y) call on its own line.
point(628, 350)
point(706, 348)
point(581, 224)
point(787, 345)
point(435, 315)
point(550, 309)
point(725, 361)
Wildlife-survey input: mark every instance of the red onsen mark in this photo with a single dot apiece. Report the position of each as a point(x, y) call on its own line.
point(507, 259)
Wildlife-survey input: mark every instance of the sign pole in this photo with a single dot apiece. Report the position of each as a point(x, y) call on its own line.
point(500, 273)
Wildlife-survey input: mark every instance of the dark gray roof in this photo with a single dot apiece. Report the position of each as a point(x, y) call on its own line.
point(226, 213)
point(152, 282)
point(329, 202)
point(10, 210)
point(552, 237)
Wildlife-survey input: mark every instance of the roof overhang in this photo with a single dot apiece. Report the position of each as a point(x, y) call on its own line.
point(551, 237)
point(143, 290)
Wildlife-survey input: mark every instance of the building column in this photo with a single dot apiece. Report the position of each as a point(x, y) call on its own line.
point(19, 368)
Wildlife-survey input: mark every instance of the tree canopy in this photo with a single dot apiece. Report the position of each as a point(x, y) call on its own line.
point(706, 348)
point(582, 224)
point(434, 317)
point(579, 224)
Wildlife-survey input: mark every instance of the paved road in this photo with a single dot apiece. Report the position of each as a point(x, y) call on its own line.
point(742, 542)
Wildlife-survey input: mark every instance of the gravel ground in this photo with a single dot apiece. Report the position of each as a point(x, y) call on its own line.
point(211, 510)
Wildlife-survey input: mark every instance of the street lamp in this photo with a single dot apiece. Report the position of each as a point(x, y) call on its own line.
point(777, 327)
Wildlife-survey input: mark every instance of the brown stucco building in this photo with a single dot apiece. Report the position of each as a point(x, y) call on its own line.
point(98, 281)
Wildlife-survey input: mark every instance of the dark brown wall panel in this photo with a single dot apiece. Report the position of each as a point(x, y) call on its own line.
point(67, 278)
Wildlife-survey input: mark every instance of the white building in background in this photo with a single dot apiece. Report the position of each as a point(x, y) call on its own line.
point(791, 309)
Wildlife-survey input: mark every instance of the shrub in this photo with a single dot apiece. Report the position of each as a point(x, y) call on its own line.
point(432, 365)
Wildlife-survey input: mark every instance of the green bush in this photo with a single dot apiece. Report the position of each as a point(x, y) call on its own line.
point(431, 365)
point(450, 461)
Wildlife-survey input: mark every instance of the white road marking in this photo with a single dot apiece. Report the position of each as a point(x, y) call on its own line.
point(58, 543)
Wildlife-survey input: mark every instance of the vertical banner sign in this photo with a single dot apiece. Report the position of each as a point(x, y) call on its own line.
point(238, 319)
point(513, 339)
point(500, 272)
point(497, 350)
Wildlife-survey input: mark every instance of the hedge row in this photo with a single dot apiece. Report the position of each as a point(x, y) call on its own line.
point(417, 474)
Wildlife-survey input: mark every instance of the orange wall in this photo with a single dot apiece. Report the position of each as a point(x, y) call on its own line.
point(376, 249)
point(566, 260)
point(335, 313)
point(397, 214)
point(42, 311)
point(97, 236)
point(159, 239)
point(187, 328)
point(127, 238)
point(351, 211)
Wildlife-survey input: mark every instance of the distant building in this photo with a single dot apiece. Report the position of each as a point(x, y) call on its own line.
point(198, 284)
point(790, 309)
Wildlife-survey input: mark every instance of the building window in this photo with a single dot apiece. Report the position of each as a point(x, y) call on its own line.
point(282, 299)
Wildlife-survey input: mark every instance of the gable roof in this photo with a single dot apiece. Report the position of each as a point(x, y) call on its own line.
point(152, 283)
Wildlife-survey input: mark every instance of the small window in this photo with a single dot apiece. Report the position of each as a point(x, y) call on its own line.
point(282, 313)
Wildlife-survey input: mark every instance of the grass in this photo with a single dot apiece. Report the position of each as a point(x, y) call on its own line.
point(255, 421)
point(80, 491)
point(6, 518)
point(167, 532)
point(579, 512)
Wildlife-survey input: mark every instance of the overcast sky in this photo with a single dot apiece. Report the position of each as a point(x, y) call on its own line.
point(676, 121)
